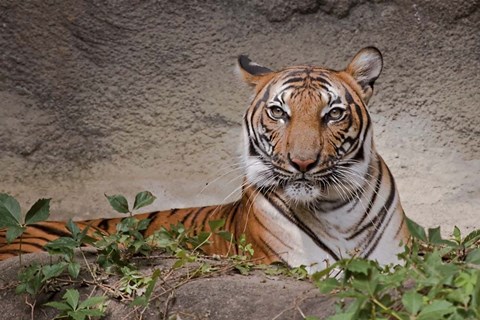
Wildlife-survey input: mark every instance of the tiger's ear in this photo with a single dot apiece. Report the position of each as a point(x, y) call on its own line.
point(365, 68)
point(252, 73)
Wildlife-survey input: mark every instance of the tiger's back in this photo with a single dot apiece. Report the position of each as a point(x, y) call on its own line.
point(36, 236)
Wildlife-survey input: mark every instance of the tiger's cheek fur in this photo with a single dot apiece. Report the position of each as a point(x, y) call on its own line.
point(277, 135)
point(341, 139)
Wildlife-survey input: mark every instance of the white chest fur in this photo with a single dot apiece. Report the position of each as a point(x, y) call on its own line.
point(318, 240)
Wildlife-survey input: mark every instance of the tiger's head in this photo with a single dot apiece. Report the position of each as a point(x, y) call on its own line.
point(307, 131)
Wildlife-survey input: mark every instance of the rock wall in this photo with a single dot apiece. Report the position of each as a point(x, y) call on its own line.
point(122, 96)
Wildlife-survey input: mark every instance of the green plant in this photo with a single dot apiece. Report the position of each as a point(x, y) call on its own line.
point(242, 261)
point(31, 280)
point(115, 250)
point(184, 243)
point(133, 282)
point(66, 246)
point(299, 273)
point(439, 279)
point(36, 277)
point(72, 308)
point(144, 298)
point(11, 217)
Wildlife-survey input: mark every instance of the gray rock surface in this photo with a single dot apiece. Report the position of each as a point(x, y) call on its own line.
point(217, 296)
point(122, 96)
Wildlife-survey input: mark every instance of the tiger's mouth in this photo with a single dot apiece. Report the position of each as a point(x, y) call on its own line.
point(303, 190)
point(339, 180)
point(304, 184)
point(309, 182)
point(317, 178)
point(299, 187)
point(306, 187)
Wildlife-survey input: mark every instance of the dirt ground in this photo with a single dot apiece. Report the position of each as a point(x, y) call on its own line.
point(118, 97)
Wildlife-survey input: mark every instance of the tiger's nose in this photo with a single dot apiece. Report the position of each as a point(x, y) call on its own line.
point(303, 165)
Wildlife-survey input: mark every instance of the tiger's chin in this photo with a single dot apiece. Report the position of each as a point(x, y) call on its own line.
point(302, 192)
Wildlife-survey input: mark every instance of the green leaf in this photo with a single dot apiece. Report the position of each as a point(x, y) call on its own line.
point(202, 239)
point(226, 235)
point(118, 203)
point(58, 305)
point(72, 296)
point(34, 286)
point(412, 302)
point(13, 232)
point(352, 311)
point(10, 214)
point(416, 230)
point(74, 269)
point(77, 315)
point(473, 257)
point(327, 285)
point(365, 285)
point(436, 310)
point(53, 270)
point(73, 228)
point(143, 224)
point(317, 276)
point(459, 296)
point(127, 224)
point(179, 263)
point(216, 224)
point(243, 269)
point(476, 294)
point(435, 237)
point(93, 301)
point(38, 212)
point(30, 279)
point(22, 288)
point(457, 235)
point(359, 266)
point(151, 284)
point(143, 199)
point(471, 238)
point(61, 245)
point(143, 300)
point(83, 238)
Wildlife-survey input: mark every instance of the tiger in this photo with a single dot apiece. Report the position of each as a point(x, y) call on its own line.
point(315, 190)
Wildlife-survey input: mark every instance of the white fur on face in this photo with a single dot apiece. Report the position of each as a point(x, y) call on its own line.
point(302, 191)
point(258, 173)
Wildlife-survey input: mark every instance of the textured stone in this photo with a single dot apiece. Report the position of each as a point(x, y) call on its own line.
point(123, 96)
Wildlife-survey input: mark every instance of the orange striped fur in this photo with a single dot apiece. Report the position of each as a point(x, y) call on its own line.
point(315, 188)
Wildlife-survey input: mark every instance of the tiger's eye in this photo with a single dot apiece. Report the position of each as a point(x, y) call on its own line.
point(335, 114)
point(276, 112)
